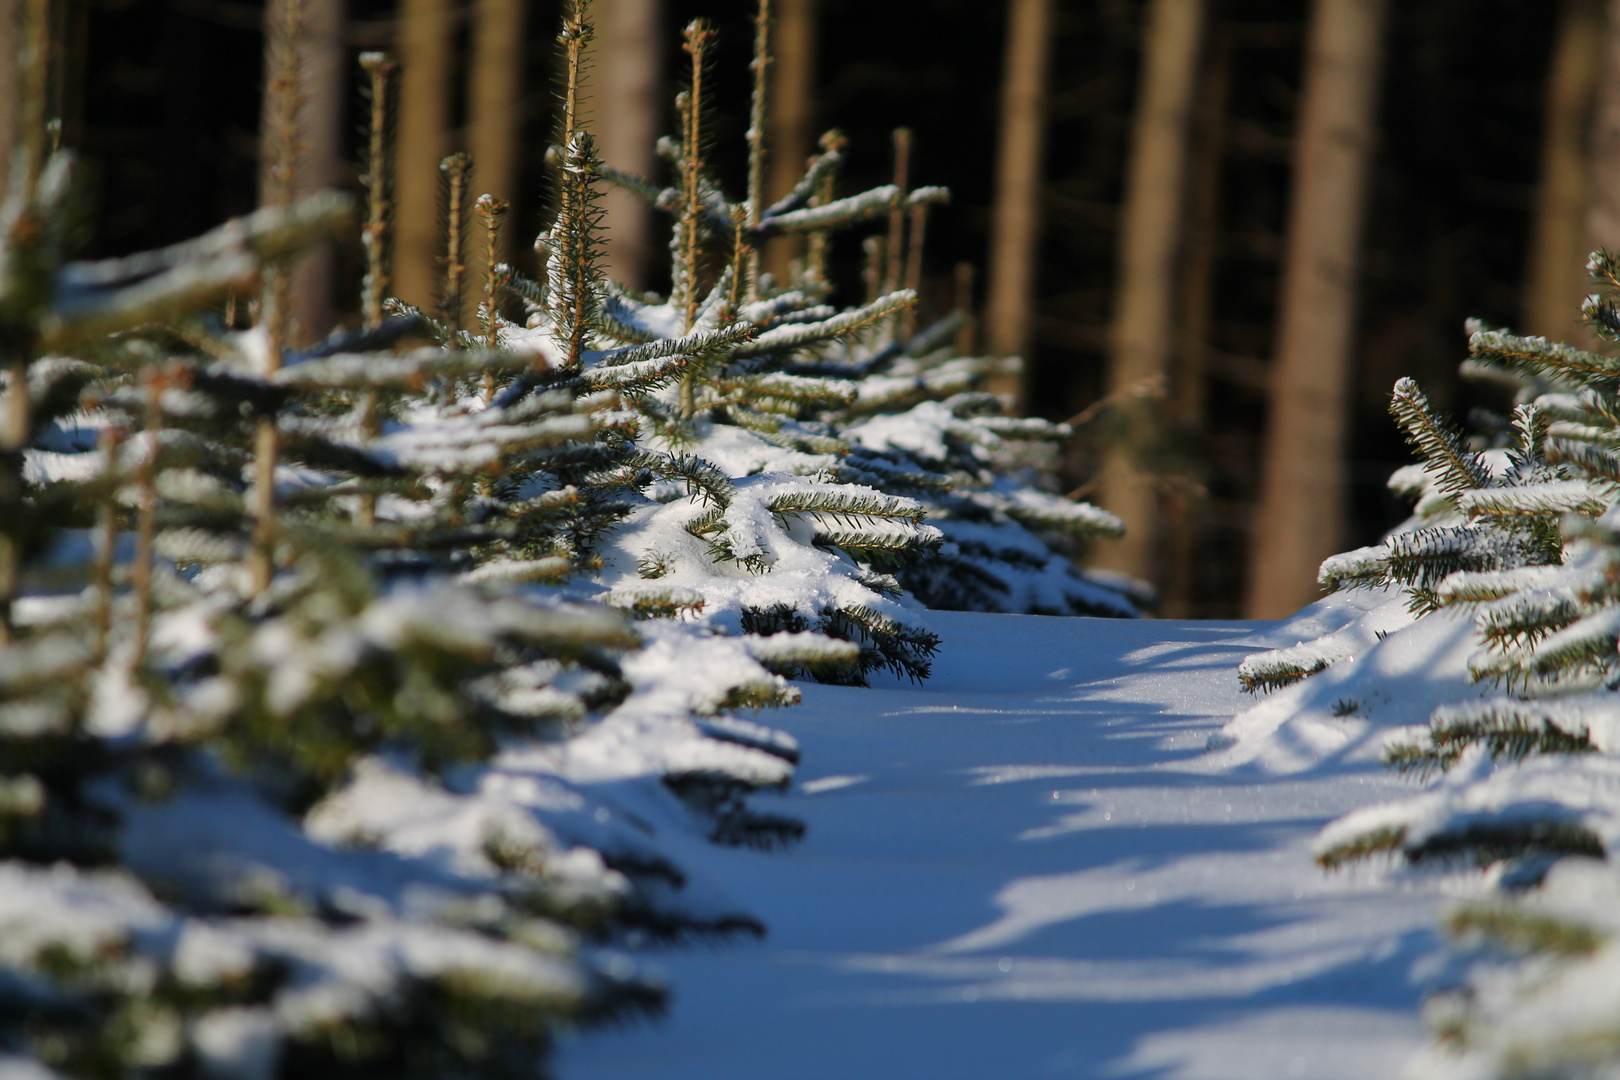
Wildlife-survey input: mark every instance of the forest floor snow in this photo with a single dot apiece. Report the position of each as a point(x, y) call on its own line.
point(1030, 867)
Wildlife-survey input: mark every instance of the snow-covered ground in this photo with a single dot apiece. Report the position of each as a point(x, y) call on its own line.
point(1029, 867)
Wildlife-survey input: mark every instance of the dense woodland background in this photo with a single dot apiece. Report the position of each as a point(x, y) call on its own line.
point(163, 97)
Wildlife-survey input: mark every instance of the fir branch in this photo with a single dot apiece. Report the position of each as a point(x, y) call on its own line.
point(1591, 640)
point(412, 371)
point(905, 650)
point(787, 338)
point(823, 167)
point(1550, 499)
point(657, 601)
point(1538, 356)
point(1602, 314)
point(694, 344)
point(1481, 844)
point(644, 190)
point(1424, 557)
point(709, 523)
point(938, 334)
point(796, 391)
point(793, 654)
point(1441, 447)
point(624, 317)
point(1271, 671)
point(573, 276)
point(98, 299)
point(440, 332)
point(1508, 728)
point(1524, 931)
point(864, 467)
point(1472, 587)
point(1602, 435)
point(838, 214)
point(639, 377)
point(842, 505)
point(779, 429)
point(1384, 840)
point(1529, 614)
point(1489, 375)
point(1595, 461)
point(704, 482)
point(879, 548)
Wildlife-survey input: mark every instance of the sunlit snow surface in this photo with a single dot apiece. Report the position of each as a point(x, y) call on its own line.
point(1030, 867)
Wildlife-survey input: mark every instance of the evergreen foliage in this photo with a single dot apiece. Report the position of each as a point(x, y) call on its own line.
point(1518, 533)
point(325, 674)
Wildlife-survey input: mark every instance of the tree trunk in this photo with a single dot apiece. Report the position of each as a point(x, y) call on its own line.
point(1010, 307)
point(426, 37)
point(1603, 210)
point(1301, 515)
point(626, 114)
point(792, 124)
point(1189, 395)
point(495, 100)
point(1556, 281)
point(1144, 329)
point(10, 47)
point(322, 71)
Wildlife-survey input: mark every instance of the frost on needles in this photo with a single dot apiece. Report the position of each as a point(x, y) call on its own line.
point(346, 693)
point(1487, 664)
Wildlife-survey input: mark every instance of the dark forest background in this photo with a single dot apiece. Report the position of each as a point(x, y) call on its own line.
point(162, 96)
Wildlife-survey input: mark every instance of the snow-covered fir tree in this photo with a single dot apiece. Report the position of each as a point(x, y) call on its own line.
point(340, 689)
point(1484, 656)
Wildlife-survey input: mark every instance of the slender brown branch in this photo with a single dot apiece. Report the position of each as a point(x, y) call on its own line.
point(872, 267)
point(698, 37)
point(455, 168)
point(576, 34)
point(914, 264)
point(106, 539)
point(146, 512)
point(379, 68)
point(756, 140)
point(820, 242)
point(282, 103)
point(895, 246)
point(374, 237)
point(743, 255)
point(492, 212)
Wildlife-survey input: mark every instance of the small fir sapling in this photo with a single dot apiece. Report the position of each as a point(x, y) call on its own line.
point(373, 596)
point(1516, 532)
point(376, 692)
point(808, 391)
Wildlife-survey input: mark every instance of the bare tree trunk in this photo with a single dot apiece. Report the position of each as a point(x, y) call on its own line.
point(1144, 329)
point(10, 46)
point(1009, 317)
point(1301, 517)
point(792, 134)
point(321, 72)
point(1603, 210)
point(495, 100)
point(629, 95)
point(426, 37)
point(1189, 396)
point(1556, 283)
